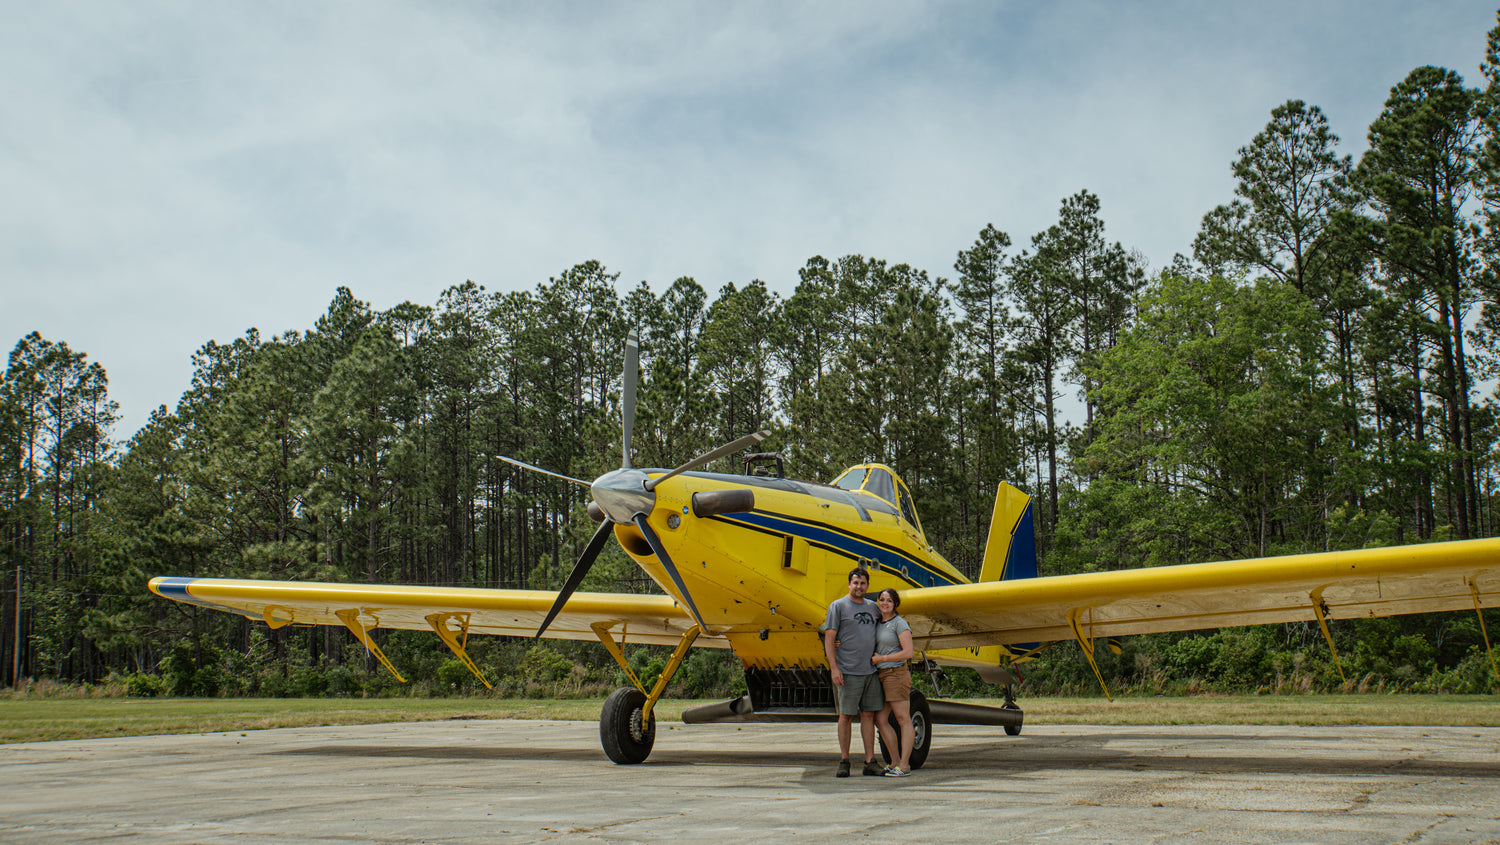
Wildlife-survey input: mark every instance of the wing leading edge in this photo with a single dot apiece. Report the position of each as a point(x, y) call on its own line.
point(1351, 584)
point(655, 620)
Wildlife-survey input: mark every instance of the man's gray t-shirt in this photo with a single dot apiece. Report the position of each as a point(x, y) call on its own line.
point(855, 624)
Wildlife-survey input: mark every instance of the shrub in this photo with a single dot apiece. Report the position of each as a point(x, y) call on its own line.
point(542, 666)
point(185, 676)
point(144, 685)
point(710, 673)
point(343, 681)
point(454, 675)
point(309, 681)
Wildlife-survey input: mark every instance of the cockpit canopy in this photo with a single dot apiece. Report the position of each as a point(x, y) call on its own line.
point(881, 481)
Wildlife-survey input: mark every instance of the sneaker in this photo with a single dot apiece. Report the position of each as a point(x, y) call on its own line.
point(843, 771)
point(874, 769)
point(897, 772)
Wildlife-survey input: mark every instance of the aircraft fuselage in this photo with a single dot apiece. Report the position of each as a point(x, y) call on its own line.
point(764, 578)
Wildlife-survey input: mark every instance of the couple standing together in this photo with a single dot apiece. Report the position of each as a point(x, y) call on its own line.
point(868, 646)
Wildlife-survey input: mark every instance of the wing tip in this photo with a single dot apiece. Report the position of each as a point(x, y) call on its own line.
point(175, 587)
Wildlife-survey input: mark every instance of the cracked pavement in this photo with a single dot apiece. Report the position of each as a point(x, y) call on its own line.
point(528, 781)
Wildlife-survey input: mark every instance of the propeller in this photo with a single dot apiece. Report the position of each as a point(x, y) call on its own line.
point(626, 495)
point(580, 482)
point(707, 457)
point(627, 398)
point(580, 569)
point(666, 562)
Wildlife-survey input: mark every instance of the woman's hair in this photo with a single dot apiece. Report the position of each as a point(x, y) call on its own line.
point(895, 596)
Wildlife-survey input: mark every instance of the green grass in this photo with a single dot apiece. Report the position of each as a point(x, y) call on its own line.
point(36, 718)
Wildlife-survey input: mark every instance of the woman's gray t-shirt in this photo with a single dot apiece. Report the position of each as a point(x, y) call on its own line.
point(888, 640)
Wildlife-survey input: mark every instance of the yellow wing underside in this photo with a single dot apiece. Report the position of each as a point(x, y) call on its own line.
point(1348, 585)
point(655, 620)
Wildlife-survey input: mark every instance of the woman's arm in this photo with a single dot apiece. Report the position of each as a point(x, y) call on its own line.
point(906, 651)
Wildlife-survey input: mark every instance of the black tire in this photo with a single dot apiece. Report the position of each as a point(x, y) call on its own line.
point(921, 722)
point(1011, 730)
point(621, 733)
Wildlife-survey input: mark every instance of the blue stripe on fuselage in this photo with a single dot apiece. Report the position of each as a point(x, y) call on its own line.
point(916, 572)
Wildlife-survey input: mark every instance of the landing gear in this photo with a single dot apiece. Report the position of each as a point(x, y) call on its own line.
point(1011, 730)
point(1010, 704)
point(625, 731)
point(627, 727)
point(921, 723)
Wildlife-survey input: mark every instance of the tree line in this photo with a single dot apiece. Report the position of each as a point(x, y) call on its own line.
point(1318, 373)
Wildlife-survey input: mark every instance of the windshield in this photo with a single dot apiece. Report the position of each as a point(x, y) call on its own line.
point(851, 479)
point(879, 484)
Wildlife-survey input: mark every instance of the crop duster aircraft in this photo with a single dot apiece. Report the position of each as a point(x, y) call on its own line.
point(750, 563)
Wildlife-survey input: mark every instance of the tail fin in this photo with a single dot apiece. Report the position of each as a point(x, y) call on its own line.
point(1010, 551)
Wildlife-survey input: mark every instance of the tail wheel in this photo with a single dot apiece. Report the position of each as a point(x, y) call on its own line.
point(921, 723)
point(626, 737)
point(1011, 730)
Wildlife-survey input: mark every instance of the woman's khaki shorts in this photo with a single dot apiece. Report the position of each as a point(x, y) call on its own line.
point(896, 683)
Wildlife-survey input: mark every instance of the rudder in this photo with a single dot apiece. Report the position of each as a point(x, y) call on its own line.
point(1010, 551)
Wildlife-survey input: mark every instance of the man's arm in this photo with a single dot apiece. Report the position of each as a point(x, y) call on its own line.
point(829, 636)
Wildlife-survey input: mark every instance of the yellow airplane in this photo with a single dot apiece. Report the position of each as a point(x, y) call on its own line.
point(750, 563)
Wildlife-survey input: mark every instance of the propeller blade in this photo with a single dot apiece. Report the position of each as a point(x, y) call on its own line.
point(727, 449)
point(666, 562)
point(524, 465)
point(580, 569)
point(627, 398)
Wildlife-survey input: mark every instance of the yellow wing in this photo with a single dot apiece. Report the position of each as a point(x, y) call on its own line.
point(656, 620)
point(1351, 584)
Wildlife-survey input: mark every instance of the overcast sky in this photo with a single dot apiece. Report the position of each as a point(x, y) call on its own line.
point(174, 173)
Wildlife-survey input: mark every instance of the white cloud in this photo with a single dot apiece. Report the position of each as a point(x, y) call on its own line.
point(177, 173)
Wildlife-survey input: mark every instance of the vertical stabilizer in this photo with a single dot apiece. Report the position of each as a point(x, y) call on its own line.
point(1010, 551)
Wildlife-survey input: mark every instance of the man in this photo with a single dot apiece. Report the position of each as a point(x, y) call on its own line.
point(849, 641)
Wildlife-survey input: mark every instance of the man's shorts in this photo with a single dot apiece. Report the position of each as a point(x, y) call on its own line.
point(896, 683)
point(859, 692)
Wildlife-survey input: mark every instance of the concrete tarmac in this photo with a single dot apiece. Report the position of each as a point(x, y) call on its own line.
point(529, 781)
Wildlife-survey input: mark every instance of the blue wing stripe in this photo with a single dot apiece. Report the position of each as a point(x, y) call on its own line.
point(176, 589)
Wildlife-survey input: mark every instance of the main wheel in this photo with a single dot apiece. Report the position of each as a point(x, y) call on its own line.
point(621, 730)
point(921, 725)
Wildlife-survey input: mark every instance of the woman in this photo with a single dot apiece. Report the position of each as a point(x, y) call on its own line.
point(892, 650)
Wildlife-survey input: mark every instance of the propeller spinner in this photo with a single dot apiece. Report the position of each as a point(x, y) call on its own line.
point(626, 495)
